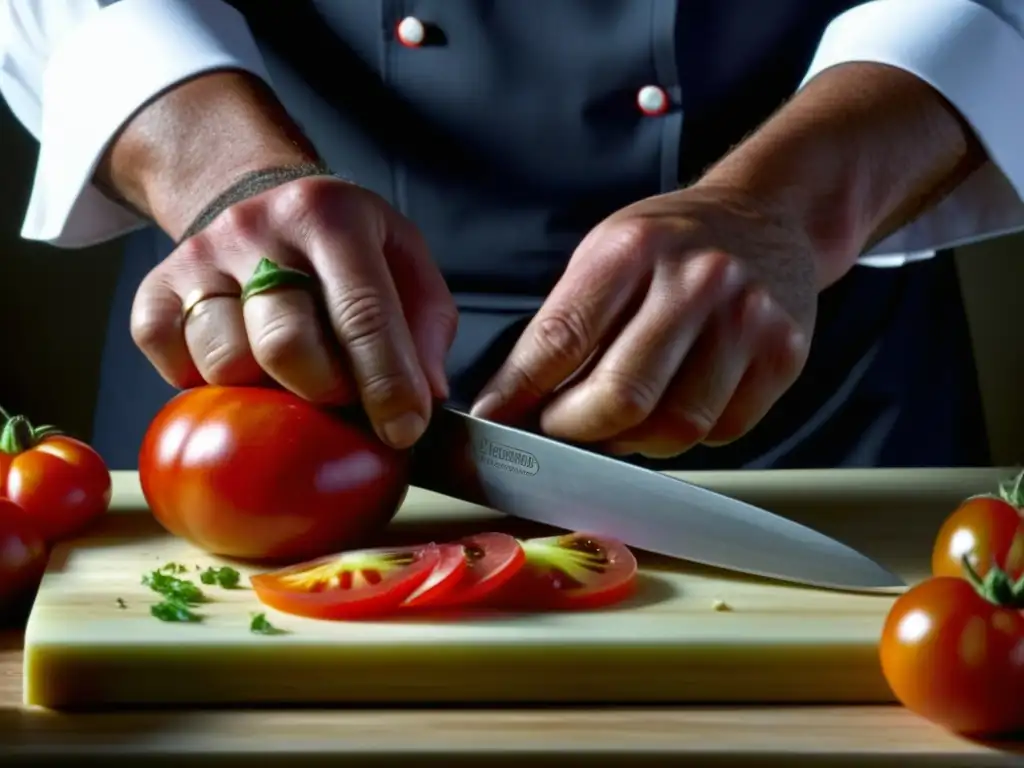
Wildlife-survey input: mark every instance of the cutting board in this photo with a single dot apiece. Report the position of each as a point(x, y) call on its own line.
point(691, 634)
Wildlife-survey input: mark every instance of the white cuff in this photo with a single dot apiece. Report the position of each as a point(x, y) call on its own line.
point(97, 79)
point(974, 57)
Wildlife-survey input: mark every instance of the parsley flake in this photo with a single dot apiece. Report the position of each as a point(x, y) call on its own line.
point(260, 625)
point(174, 611)
point(224, 577)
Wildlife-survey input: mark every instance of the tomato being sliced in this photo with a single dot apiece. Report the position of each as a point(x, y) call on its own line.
point(491, 560)
point(363, 582)
point(449, 571)
point(571, 571)
point(985, 529)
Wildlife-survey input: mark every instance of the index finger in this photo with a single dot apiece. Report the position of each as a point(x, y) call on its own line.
point(562, 337)
point(366, 314)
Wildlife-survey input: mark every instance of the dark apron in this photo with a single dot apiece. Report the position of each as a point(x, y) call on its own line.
point(514, 130)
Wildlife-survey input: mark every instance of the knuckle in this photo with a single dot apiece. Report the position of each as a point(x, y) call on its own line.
point(389, 390)
point(632, 236)
point(155, 318)
point(222, 362)
point(152, 333)
point(241, 221)
point(282, 340)
point(446, 320)
point(628, 397)
point(360, 316)
point(192, 253)
point(298, 198)
point(307, 201)
point(694, 421)
point(564, 334)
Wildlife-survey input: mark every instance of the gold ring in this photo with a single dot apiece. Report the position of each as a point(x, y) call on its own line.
point(197, 296)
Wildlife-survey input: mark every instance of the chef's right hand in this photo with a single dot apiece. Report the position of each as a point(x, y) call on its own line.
point(374, 324)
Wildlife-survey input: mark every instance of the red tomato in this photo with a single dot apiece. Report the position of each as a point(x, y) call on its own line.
point(261, 473)
point(569, 571)
point(22, 553)
point(356, 584)
point(986, 529)
point(491, 560)
point(61, 483)
point(955, 658)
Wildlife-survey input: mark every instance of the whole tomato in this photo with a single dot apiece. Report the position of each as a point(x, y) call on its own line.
point(951, 652)
point(61, 483)
point(986, 530)
point(22, 555)
point(259, 473)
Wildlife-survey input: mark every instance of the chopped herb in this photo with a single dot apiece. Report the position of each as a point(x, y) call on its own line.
point(173, 588)
point(173, 568)
point(121, 603)
point(174, 610)
point(225, 577)
point(261, 626)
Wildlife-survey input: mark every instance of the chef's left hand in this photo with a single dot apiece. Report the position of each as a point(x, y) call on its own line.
point(680, 319)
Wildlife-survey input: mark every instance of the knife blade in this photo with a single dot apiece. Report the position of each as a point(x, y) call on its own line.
point(530, 476)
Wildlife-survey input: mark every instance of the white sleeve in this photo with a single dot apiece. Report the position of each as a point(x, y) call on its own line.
point(972, 52)
point(75, 71)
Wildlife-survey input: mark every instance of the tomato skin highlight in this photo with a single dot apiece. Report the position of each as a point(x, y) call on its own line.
point(450, 569)
point(574, 571)
point(987, 528)
point(61, 483)
point(492, 560)
point(23, 554)
point(955, 658)
point(259, 473)
point(306, 589)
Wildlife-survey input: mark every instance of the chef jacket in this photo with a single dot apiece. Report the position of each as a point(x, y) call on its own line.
point(506, 130)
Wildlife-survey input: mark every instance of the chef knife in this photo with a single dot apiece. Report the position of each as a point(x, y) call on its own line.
point(530, 476)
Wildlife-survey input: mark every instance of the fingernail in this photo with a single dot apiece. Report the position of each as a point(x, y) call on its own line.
point(487, 404)
point(405, 430)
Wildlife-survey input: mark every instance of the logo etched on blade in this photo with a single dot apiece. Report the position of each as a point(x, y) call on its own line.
point(505, 457)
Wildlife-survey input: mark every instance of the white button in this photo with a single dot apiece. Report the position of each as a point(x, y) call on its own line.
point(411, 31)
point(652, 100)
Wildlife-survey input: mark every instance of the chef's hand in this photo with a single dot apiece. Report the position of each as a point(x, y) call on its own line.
point(373, 324)
point(681, 319)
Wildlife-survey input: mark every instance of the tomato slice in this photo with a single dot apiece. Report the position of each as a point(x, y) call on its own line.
point(363, 582)
point(491, 560)
point(448, 573)
point(572, 571)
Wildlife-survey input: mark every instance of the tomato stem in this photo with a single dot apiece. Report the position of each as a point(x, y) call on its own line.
point(269, 276)
point(997, 587)
point(18, 435)
point(1012, 491)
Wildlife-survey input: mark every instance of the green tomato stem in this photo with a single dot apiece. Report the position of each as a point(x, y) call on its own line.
point(270, 276)
point(1012, 491)
point(997, 587)
point(18, 435)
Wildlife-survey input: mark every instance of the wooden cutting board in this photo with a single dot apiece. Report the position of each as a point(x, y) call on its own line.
point(91, 641)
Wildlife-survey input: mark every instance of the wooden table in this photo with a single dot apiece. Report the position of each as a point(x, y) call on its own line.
point(778, 736)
